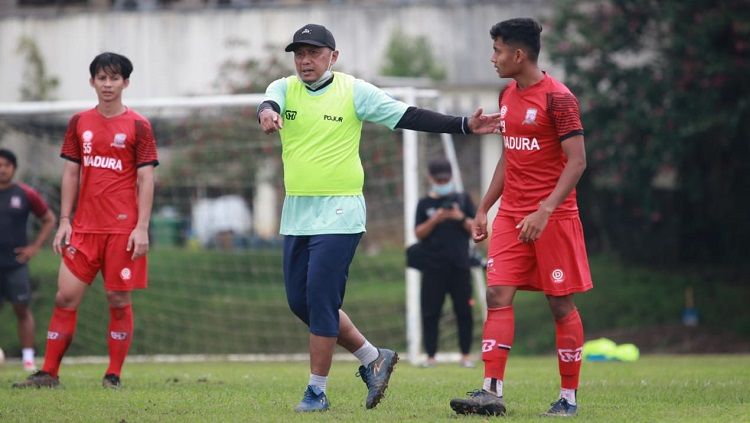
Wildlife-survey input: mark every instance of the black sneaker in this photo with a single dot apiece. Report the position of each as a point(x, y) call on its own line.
point(377, 374)
point(40, 379)
point(479, 402)
point(111, 381)
point(561, 408)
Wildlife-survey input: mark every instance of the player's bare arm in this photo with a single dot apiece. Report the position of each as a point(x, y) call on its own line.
point(482, 124)
point(138, 241)
point(270, 121)
point(532, 225)
point(479, 228)
point(24, 254)
point(68, 193)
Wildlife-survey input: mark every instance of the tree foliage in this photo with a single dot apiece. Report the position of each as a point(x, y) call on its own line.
point(37, 84)
point(411, 57)
point(665, 101)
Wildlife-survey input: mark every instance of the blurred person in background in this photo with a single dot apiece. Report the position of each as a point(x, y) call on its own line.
point(537, 239)
point(17, 201)
point(443, 225)
point(110, 155)
point(318, 114)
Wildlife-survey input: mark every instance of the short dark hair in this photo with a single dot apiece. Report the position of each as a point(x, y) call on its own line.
point(114, 63)
point(439, 169)
point(9, 156)
point(523, 31)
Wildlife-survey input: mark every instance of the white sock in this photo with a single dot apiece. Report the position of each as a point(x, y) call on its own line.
point(28, 354)
point(568, 394)
point(487, 386)
point(319, 382)
point(367, 353)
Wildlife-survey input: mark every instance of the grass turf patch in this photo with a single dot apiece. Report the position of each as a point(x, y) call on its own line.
point(656, 388)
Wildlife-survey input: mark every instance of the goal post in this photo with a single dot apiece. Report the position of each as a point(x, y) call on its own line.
point(215, 266)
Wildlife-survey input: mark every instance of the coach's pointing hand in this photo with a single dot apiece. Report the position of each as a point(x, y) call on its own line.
point(270, 121)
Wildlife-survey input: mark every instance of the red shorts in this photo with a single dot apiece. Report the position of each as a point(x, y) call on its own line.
point(556, 263)
point(88, 253)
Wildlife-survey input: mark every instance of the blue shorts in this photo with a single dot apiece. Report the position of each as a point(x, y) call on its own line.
point(15, 285)
point(316, 268)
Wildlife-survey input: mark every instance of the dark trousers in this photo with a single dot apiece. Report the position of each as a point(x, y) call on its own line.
point(316, 268)
point(436, 283)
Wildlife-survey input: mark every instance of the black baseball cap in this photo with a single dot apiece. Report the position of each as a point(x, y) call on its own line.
point(440, 169)
point(312, 34)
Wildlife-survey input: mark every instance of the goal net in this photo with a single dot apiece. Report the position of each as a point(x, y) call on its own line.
point(215, 278)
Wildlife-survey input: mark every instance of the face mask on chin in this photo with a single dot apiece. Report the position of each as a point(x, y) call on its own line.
point(442, 190)
point(323, 78)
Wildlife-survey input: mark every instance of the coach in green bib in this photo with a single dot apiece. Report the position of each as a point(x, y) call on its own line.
point(318, 114)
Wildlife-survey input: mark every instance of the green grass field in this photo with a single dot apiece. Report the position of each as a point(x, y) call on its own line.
point(654, 389)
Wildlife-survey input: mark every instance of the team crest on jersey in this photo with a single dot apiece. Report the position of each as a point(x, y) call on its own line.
point(503, 111)
point(15, 202)
point(119, 141)
point(530, 118)
point(87, 136)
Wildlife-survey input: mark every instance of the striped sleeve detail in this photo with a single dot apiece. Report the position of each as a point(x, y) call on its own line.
point(71, 148)
point(565, 113)
point(145, 148)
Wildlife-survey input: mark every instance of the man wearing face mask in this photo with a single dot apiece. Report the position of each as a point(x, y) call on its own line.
point(443, 227)
point(318, 114)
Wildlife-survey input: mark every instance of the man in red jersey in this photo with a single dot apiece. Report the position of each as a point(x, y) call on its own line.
point(111, 155)
point(537, 238)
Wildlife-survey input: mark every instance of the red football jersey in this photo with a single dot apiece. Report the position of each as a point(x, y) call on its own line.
point(109, 150)
point(535, 121)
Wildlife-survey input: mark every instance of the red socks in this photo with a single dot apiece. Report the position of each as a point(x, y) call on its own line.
point(62, 326)
point(119, 337)
point(497, 340)
point(569, 337)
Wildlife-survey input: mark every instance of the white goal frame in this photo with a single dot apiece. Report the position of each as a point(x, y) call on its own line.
point(411, 175)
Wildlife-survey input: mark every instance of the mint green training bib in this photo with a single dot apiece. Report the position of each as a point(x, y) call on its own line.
point(320, 140)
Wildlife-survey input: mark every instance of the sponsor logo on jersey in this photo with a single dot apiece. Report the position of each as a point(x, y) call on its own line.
point(333, 118)
point(570, 356)
point(530, 118)
point(118, 336)
point(88, 136)
point(15, 202)
point(503, 111)
point(126, 274)
point(557, 276)
point(521, 143)
point(119, 141)
point(290, 114)
point(122, 216)
point(102, 162)
point(53, 335)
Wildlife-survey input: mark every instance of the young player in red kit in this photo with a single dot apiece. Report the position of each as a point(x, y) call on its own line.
point(111, 155)
point(537, 238)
